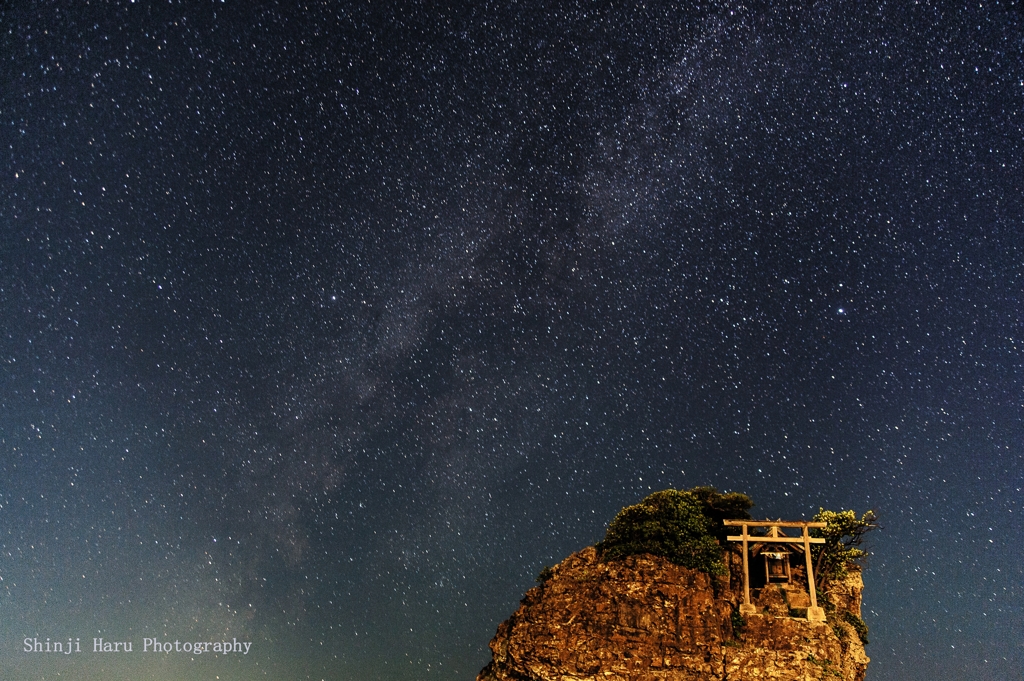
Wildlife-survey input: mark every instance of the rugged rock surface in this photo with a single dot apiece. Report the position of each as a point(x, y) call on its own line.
point(643, 618)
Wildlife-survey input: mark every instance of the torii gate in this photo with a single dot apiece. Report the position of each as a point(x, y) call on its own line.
point(814, 613)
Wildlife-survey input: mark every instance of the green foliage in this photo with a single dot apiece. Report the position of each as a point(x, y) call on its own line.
point(680, 526)
point(546, 573)
point(843, 534)
point(827, 668)
point(719, 507)
point(858, 625)
point(841, 632)
point(738, 622)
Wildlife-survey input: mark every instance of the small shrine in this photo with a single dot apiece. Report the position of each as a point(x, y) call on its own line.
point(773, 558)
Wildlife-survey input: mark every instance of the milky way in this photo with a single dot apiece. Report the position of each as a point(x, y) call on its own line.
point(326, 327)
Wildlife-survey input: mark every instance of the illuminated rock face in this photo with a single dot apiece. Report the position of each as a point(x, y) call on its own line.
point(645, 619)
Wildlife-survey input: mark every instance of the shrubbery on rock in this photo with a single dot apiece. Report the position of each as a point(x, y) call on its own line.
point(683, 527)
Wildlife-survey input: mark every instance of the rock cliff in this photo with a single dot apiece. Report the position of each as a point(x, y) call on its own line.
point(642, 618)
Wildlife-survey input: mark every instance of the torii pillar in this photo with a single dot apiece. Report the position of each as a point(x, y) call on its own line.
point(814, 613)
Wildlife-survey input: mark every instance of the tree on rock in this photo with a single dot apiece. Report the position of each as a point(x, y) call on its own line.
point(681, 526)
point(719, 507)
point(843, 534)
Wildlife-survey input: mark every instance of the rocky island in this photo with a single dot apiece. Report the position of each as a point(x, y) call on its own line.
point(662, 599)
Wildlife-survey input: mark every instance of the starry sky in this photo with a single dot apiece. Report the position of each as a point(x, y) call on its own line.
point(327, 325)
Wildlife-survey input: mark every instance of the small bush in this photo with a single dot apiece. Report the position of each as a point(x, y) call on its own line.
point(546, 573)
point(738, 623)
point(858, 625)
point(828, 669)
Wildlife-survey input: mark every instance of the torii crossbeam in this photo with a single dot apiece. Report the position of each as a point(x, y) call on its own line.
point(814, 613)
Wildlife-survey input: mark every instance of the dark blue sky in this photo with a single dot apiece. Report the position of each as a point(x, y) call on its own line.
point(327, 325)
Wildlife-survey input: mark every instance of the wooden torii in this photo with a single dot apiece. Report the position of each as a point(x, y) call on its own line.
point(814, 613)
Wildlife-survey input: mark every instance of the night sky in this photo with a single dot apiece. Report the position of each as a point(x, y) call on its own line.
point(327, 325)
